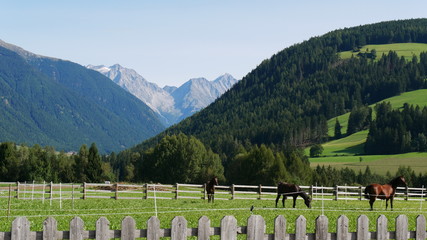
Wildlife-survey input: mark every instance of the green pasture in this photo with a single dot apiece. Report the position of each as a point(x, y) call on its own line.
point(141, 210)
point(417, 97)
point(379, 164)
point(348, 151)
point(407, 50)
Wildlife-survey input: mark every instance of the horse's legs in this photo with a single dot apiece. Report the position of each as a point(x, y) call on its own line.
point(295, 201)
point(283, 200)
point(371, 202)
point(277, 198)
point(386, 204)
point(213, 198)
point(391, 203)
point(209, 197)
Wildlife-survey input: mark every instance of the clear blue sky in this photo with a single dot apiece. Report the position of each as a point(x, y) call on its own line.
point(169, 42)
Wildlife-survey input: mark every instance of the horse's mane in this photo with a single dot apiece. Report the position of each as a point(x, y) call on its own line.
point(396, 181)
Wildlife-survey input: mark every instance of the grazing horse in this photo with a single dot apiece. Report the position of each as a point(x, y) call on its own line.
point(293, 190)
point(210, 188)
point(386, 191)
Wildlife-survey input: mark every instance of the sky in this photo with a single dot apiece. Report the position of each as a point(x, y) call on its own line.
point(169, 42)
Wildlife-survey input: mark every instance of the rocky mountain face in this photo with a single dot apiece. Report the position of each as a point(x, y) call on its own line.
point(172, 103)
point(52, 102)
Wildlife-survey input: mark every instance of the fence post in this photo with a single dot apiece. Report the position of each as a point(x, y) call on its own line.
point(336, 192)
point(176, 191)
point(360, 193)
point(117, 191)
point(9, 201)
point(84, 191)
point(146, 191)
point(406, 193)
point(260, 191)
point(17, 190)
point(204, 191)
point(51, 193)
point(310, 191)
point(232, 191)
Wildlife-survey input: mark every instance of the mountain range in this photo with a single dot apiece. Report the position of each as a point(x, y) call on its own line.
point(173, 104)
point(53, 102)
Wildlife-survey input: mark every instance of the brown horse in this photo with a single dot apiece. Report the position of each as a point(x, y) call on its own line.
point(386, 191)
point(293, 190)
point(210, 188)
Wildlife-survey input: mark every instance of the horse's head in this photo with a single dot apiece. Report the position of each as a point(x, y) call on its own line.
point(215, 181)
point(307, 202)
point(402, 181)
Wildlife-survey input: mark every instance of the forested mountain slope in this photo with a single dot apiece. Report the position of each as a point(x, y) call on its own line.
point(288, 98)
point(58, 103)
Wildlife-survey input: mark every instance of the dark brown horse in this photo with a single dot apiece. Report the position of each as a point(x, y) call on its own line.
point(292, 190)
point(210, 188)
point(386, 191)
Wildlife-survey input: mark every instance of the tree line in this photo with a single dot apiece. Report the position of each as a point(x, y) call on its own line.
point(181, 159)
point(24, 163)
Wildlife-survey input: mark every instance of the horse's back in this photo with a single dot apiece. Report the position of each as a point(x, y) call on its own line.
point(287, 188)
point(379, 191)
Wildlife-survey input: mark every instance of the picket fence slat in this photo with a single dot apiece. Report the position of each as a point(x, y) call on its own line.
point(280, 228)
point(204, 229)
point(229, 228)
point(322, 228)
point(421, 226)
point(256, 227)
point(76, 229)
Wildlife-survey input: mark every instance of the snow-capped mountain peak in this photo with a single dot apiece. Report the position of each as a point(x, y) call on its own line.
point(171, 103)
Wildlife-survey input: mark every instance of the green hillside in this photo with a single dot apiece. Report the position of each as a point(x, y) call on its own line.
point(406, 50)
point(418, 97)
point(341, 153)
point(58, 103)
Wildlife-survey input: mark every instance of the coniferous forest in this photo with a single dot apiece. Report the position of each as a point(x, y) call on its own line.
point(255, 132)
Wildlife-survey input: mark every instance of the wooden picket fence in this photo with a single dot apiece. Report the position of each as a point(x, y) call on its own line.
point(49, 191)
point(255, 229)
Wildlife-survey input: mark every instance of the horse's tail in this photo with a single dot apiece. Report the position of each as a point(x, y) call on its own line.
point(368, 191)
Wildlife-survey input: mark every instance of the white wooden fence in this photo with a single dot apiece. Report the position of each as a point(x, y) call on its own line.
point(49, 191)
point(255, 229)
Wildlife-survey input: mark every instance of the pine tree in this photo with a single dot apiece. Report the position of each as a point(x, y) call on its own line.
point(337, 129)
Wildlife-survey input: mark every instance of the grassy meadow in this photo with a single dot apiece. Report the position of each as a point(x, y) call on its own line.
point(407, 50)
point(348, 151)
point(141, 210)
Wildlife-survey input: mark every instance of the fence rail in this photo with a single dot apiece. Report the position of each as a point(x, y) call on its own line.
point(49, 191)
point(228, 229)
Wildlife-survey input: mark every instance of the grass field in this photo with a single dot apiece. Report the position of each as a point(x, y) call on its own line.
point(192, 210)
point(407, 50)
point(348, 151)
